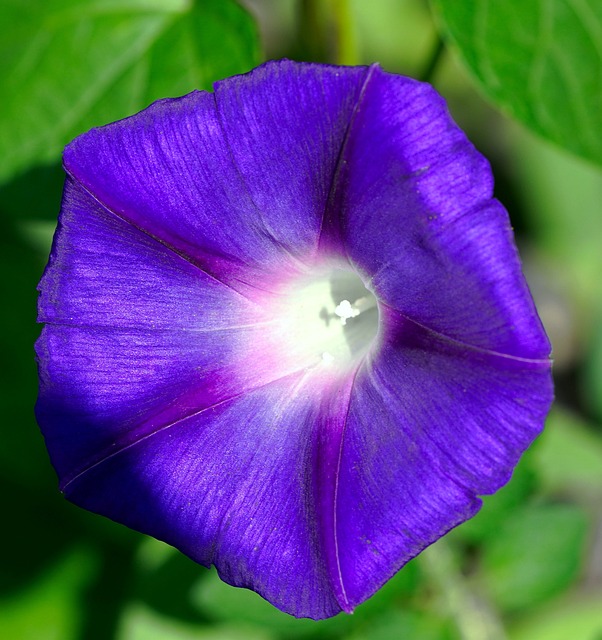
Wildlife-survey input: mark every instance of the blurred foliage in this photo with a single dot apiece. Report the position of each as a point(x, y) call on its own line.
point(68, 65)
point(535, 554)
point(539, 61)
point(529, 565)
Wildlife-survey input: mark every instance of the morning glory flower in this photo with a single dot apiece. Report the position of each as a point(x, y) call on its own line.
point(286, 330)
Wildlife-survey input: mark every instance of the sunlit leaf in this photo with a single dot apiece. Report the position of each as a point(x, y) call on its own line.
point(405, 624)
point(141, 623)
point(568, 455)
point(497, 507)
point(68, 65)
point(537, 554)
point(574, 619)
point(541, 62)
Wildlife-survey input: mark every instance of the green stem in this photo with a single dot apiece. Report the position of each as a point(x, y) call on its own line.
point(346, 51)
point(433, 61)
point(472, 615)
point(310, 34)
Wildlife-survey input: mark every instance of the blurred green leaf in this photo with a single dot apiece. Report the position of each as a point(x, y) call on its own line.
point(592, 373)
point(408, 625)
point(21, 266)
point(20, 201)
point(165, 579)
point(141, 623)
point(37, 234)
point(496, 508)
point(69, 65)
point(569, 620)
point(399, 35)
point(536, 555)
point(568, 456)
point(541, 62)
point(453, 593)
point(50, 609)
point(562, 196)
point(222, 602)
point(398, 593)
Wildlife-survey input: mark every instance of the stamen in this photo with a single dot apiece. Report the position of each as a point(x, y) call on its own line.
point(318, 325)
point(345, 311)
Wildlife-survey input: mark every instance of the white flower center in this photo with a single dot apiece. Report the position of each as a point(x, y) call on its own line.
point(328, 320)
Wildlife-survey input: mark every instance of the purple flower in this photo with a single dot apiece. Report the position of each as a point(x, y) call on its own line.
point(287, 330)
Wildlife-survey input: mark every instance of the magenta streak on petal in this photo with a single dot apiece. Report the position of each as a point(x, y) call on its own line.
point(84, 337)
point(230, 487)
point(138, 436)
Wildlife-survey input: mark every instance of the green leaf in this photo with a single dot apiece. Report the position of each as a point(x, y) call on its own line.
point(536, 555)
point(68, 66)
point(223, 603)
point(541, 62)
point(405, 624)
point(50, 609)
point(568, 456)
point(571, 619)
point(497, 507)
point(141, 623)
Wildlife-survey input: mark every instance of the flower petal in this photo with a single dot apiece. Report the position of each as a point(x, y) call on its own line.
point(417, 219)
point(286, 124)
point(136, 337)
point(233, 486)
point(237, 180)
point(430, 427)
point(175, 361)
point(105, 272)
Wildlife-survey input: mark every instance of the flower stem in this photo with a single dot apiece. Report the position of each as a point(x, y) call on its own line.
point(310, 31)
point(433, 61)
point(472, 615)
point(346, 51)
